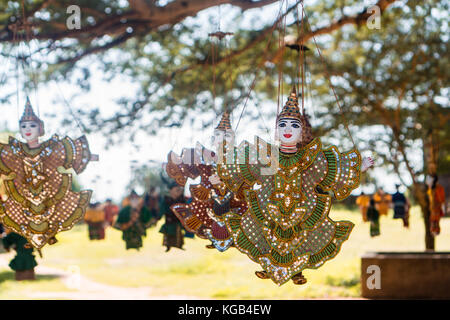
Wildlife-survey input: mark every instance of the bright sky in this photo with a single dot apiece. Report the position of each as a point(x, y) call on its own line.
point(110, 176)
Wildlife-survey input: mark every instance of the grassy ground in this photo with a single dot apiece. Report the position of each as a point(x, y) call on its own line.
point(13, 290)
point(203, 273)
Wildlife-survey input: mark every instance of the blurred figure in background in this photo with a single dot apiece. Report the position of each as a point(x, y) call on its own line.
point(133, 220)
point(374, 218)
point(401, 206)
point(24, 262)
point(382, 202)
point(172, 228)
point(436, 197)
point(111, 211)
point(151, 201)
point(363, 202)
point(95, 219)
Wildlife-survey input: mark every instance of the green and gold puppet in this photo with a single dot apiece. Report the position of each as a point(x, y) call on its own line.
point(286, 228)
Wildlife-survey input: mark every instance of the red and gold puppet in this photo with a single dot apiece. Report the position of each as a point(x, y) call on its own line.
point(211, 200)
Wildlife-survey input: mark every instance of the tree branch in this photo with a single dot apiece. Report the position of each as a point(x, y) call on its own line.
point(396, 132)
point(357, 19)
point(144, 15)
point(121, 39)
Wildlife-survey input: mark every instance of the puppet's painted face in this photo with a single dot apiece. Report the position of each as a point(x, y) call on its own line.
point(29, 130)
point(289, 131)
point(134, 202)
point(220, 136)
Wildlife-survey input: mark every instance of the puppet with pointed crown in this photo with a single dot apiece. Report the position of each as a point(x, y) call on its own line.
point(40, 200)
point(31, 127)
point(286, 228)
point(211, 200)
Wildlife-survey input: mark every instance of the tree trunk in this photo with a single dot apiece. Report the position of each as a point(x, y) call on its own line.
point(420, 195)
point(430, 158)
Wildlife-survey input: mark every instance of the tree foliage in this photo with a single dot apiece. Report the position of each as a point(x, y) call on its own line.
point(392, 83)
point(163, 48)
point(395, 79)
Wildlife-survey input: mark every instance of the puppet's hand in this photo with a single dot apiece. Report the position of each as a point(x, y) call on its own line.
point(214, 179)
point(366, 164)
point(94, 157)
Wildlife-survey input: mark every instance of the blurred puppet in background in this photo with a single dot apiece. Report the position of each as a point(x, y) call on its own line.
point(24, 262)
point(95, 219)
point(134, 219)
point(172, 229)
point(383, 201)
point(363, 202)
point(374, 217)
point(401, 206)
point(111, 212)
point(436, 197)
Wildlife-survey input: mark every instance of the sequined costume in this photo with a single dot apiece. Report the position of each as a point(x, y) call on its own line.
point(40, 201)
point(204, 214)
point(287, 228)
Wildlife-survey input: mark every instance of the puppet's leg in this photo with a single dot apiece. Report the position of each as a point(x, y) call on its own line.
point(262, 274)
point(299, 278)
point(25, 275)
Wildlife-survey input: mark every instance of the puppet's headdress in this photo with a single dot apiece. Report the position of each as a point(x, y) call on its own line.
point(291, 109)
point(225, 122)
point(29, 115)
point(133, 194)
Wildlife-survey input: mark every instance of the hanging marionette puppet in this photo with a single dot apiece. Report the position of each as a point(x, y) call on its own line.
point(40, 201)
point(287, 228)
point(210, 198)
